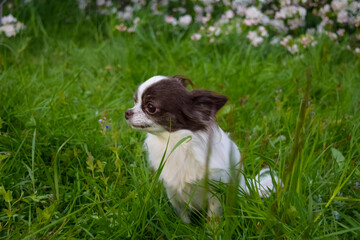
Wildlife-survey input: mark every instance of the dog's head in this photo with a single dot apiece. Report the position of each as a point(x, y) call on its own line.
point(164, 104)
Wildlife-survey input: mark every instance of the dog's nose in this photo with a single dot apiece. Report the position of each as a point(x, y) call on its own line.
point(128, 114)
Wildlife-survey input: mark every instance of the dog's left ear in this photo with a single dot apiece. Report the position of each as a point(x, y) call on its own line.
point(183, 80)
point(207, 102)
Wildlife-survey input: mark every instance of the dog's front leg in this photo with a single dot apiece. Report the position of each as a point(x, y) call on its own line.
point(181, 209)
point(214, 207)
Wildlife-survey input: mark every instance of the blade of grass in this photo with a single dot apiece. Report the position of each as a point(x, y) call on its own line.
point(56, 177)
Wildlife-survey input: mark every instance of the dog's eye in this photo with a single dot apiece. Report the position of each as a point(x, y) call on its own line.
point(151, 108)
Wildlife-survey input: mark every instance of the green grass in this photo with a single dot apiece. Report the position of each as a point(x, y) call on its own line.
point(63, 175)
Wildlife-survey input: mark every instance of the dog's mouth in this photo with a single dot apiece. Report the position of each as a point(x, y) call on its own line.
point(140, 126)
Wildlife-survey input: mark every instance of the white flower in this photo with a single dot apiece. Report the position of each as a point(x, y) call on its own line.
point(196, 36)
point(293, 48)
point(263, 31)
point(254, 38)
point(154, 8)
point(131, 29)
point(302, 12)
point(229, 14)
point(209, 9)
point(306, 40)
point(8, 29)
point(339, 5)
point(356, 21)
point(357, 50)
point(279, 25)
point(108, 3)
point(164, 3)
point(291, 12)
point(285, 40)
point(136, 20)
point(185, 20)
point(8, 19)
point(254, 16)
point(199, 13)
point(285, 2)
point(205, 19)
point(324, 10)
point(295, 23)
point(82, 4)
point(340, 32)
point(217, 31)
point(241, 10)
point(127, 15)
point(257, 41)
point(181, 10)
point(251, 35)
point(323, 23)
point(100, 2)
point(331, 35)
point(171, 20)
point(129, 9)
point(198, 9)
point(342, 17)
point(214, 30)
point(275, 41)
point(19, 26)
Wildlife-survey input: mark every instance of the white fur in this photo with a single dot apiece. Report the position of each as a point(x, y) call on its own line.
point(147, 84)
point(186, 165)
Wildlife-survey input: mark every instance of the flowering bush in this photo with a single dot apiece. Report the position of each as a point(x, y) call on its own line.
point(10, 26)
point(290, 23)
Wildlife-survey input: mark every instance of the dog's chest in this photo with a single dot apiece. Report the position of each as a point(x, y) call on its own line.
point(182, 166)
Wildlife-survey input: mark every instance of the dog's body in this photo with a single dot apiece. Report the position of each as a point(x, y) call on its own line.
point(169, 113)
point(186, 166)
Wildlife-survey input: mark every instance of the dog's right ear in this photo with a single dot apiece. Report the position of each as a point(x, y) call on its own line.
point(207, 103)
point(183, 80)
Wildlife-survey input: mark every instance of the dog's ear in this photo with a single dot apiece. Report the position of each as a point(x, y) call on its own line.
point(207, 102)
point(183, 80)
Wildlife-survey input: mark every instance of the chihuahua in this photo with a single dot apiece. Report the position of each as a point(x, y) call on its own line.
point(170, 113)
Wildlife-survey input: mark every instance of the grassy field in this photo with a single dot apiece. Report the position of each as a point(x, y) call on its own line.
point(65, 175)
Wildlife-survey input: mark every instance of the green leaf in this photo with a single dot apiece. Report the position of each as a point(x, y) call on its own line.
point(2, 191)
point(340, 159)
point(100, 166)
point(114, 149)
point(118, 163)
point(3, 157)
point(36, 198)
point(8, 212)
point(8, 196)
point(90, 162)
